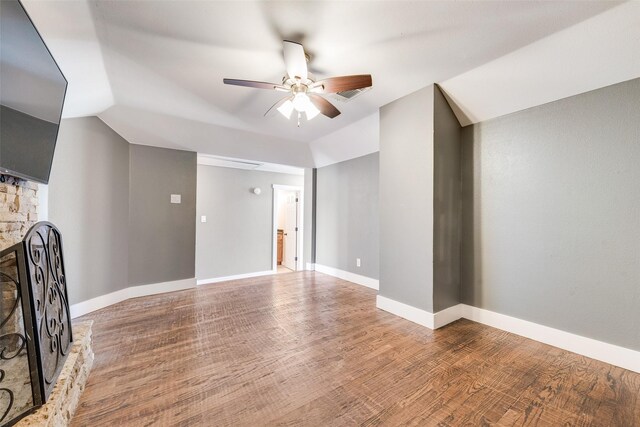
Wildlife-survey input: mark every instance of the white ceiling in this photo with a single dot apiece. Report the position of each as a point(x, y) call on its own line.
point(152, 70)
point(600, 51)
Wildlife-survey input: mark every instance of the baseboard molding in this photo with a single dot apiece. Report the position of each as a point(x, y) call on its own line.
point(102, 301)
point(406, 311)
point(348, 276)
point(310, 266)
point(235, 277)
point(446, 316)
point(605, 352)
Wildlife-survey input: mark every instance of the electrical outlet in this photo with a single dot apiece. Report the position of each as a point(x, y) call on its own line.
point(357, 262)
point(176, 198)
point(203, 218)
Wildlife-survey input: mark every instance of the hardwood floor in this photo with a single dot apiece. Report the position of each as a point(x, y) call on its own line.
point(308, 349)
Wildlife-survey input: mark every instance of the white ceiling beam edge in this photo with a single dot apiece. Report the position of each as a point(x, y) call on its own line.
point(160, 130)
point(228, 162)
point(598, 52)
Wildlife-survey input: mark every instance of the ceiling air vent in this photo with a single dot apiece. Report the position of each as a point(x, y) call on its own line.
point(348, 95)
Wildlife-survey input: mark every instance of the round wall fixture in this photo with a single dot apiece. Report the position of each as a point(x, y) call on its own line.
point(257, 191)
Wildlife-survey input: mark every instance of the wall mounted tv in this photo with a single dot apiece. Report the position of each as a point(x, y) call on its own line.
point(32, 90)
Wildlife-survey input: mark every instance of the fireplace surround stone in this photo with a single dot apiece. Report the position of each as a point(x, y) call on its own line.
point(31, 273)
point(18, 209)
point(64, 399)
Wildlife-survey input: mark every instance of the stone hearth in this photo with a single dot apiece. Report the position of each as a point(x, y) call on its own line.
point(64, 399)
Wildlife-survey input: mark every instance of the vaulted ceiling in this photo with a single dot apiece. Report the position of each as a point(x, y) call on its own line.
point(153, 70)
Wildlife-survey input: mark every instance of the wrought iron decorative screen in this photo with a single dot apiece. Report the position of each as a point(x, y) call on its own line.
point(35, 324)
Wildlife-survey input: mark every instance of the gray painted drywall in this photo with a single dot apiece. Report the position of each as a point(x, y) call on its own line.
point(237, 237)
point(347, 218)
point(89, 202)
point(308, 254)
point(446, 205)
point(162, 235)
point(551, 215)
point(406, 199)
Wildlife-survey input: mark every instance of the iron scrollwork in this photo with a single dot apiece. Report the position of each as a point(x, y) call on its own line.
point(43, 244)
point(16, 387)
point(35, 323)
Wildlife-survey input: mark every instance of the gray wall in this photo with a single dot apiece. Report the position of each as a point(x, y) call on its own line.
point(89, 202)
point(309, 217)
point(237, 237)
point(551, 203)
point(406, 199)
point(347, 215)
point(161, 234)
point(446, 205)
point(111, 202)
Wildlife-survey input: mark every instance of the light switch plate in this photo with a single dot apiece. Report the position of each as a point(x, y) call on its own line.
point(176, 198)
point(357, 262)
point(203, 218)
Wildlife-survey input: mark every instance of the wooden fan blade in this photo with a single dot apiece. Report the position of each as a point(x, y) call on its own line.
point(275, 106)
point(324, 106)
point(341, 84)
point(257, 85)
point(295, 60)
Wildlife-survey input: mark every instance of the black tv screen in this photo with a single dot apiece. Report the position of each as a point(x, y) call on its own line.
point(32, 90)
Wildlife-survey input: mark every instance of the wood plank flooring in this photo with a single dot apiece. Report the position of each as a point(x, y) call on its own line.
point(309, 349)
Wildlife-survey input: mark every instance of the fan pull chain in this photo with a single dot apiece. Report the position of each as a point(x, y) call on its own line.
point(299, 114)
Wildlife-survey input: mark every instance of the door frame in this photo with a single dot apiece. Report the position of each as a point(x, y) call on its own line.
point(300, 213)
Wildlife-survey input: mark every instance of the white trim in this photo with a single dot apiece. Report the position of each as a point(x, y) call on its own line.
point(274, 229)
point(446, 316)
point(286, 187)
point(102, 301)
point(246, 164)
point(300, 233)
point(311, 266)
point(348, 276)
point(235, 277)
point(406, 311)
point(43, 202)
point(605, 352)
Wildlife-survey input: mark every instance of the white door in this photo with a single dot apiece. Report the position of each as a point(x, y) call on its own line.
point(290, 230)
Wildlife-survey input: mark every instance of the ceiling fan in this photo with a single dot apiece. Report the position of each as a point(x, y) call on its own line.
point(304, 92)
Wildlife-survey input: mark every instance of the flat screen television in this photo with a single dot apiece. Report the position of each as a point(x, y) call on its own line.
point(32, 90)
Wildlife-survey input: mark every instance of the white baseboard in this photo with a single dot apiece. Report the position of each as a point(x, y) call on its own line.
point(348, 276)
point(605, 352)
point(446, 316)
point(102, 301)
point(235, 277)
point(311, 266)
point(406, 311)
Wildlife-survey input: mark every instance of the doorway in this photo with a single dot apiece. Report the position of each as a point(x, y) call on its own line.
point(287, 228)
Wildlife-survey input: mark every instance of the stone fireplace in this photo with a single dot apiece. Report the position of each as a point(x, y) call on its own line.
point(18, 213)
point(18, 209)
point(42, 369)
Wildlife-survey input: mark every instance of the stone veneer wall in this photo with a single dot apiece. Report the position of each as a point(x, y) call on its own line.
point(18, 212)
point(18, 209)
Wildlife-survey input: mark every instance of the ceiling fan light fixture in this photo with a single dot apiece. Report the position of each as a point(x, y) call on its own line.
point(301, 102)
point(286, 109)
point(306, 93)
point(311, 111)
